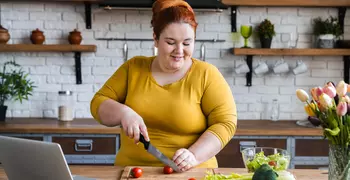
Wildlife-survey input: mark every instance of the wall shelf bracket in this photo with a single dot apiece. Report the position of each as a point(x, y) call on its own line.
point(341, 17)
point(77, 57)
point(249, 74)
point(346, 60)
point(233, 18)
point(88, 15)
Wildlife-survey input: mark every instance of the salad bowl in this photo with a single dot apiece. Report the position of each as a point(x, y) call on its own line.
point(278, 159)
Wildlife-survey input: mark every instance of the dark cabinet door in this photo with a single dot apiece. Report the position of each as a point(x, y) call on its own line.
point(86, 145)
point(311, 167)
point(306, 147)
point(231, 157)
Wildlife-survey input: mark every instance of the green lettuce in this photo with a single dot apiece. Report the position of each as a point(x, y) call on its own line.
point(277, 162)
point(282, 175)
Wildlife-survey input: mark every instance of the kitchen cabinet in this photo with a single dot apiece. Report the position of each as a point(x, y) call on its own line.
point(86, 145)
point(85, 141)
point(37, 138)
point(311, 167)
point(306, 151)
point(311, 147)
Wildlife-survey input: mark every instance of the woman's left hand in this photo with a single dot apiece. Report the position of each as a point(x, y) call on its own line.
point(185, 159)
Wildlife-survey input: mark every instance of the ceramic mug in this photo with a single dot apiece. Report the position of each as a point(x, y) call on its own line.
point(242, 68)
point(281, 67)
point(301, 68)
point(261, 68)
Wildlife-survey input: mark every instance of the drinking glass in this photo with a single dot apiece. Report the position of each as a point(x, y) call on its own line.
point(246, 32)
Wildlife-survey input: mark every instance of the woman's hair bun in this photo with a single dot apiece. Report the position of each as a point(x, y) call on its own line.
point(160, 5)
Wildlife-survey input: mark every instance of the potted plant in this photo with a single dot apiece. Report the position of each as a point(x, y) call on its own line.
point(266, 31)
point(13, 85)
point(327, 31)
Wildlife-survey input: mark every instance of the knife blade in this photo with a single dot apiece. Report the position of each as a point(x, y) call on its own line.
point(159, 155)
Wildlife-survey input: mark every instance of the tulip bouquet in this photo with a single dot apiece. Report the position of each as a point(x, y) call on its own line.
point(329, 107)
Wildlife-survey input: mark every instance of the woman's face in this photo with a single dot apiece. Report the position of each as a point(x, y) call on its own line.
point(175, 45)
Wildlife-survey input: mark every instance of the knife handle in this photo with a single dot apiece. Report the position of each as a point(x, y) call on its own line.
point(143, 140)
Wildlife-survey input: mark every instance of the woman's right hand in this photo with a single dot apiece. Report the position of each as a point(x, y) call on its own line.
point(133, 125)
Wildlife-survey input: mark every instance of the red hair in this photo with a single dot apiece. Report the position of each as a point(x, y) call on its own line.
point(171, 11)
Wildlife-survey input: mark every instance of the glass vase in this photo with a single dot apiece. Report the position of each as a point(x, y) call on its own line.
point(338, 163)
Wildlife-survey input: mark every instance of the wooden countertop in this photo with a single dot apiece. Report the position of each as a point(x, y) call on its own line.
point(41, 125)
point(153, 173)
point(90, 126)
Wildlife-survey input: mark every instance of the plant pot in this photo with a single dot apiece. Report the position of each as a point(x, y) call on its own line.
point(3, 113)
point(4, 35)
point(265, 42)
point(37, 37)
point(326, 41)
point(75, 37)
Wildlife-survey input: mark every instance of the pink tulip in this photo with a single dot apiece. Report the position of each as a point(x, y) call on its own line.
point(342, 108)
point(330, 91)
point(330, 84)
point(319, 91)
point(313, 93)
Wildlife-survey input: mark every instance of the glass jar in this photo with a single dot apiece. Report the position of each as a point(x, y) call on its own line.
point(274, 110)
point(65, 105)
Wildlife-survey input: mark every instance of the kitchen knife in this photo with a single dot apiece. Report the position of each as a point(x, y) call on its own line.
point(159, 155)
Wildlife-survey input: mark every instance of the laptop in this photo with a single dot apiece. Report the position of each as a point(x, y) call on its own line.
point(34, 160)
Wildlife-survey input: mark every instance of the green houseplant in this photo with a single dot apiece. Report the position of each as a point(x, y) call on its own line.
point(266, 31)
point(326, 31)
point(13, 85)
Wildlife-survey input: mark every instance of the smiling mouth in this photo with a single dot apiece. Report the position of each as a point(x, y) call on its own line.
point(177, 58)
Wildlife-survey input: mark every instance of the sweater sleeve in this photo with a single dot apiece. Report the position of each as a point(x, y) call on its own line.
point(219, 106)
point(115, 88)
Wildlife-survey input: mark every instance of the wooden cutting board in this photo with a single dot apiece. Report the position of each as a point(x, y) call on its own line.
point(152, 173)
point(299, 174)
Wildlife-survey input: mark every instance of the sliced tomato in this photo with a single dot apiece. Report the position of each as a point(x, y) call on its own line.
point(272, 163)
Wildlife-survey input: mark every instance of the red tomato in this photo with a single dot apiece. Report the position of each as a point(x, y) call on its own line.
point(272, 163)
point(136, 172)
point(192, 179)
point(167, 170)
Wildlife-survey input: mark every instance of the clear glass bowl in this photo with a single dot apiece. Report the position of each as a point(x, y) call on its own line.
point(278, 159)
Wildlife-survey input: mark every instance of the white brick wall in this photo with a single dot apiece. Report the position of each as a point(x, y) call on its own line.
point(53, 72)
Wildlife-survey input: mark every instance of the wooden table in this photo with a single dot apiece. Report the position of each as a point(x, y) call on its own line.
point(245, 127)
point(153, 173)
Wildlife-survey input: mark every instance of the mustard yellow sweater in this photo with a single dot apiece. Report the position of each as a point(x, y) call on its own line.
point(175, 114)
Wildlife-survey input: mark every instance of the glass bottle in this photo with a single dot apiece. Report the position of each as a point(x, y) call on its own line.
point(65, 105)
point(274, 110)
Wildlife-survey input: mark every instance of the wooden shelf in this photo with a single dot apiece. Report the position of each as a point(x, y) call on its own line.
point(55, 0)
point(307, 3)
point(46, 48)
point(291, 52)
point(77, 49)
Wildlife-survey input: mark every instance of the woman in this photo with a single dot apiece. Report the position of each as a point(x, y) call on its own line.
point(183, 105)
